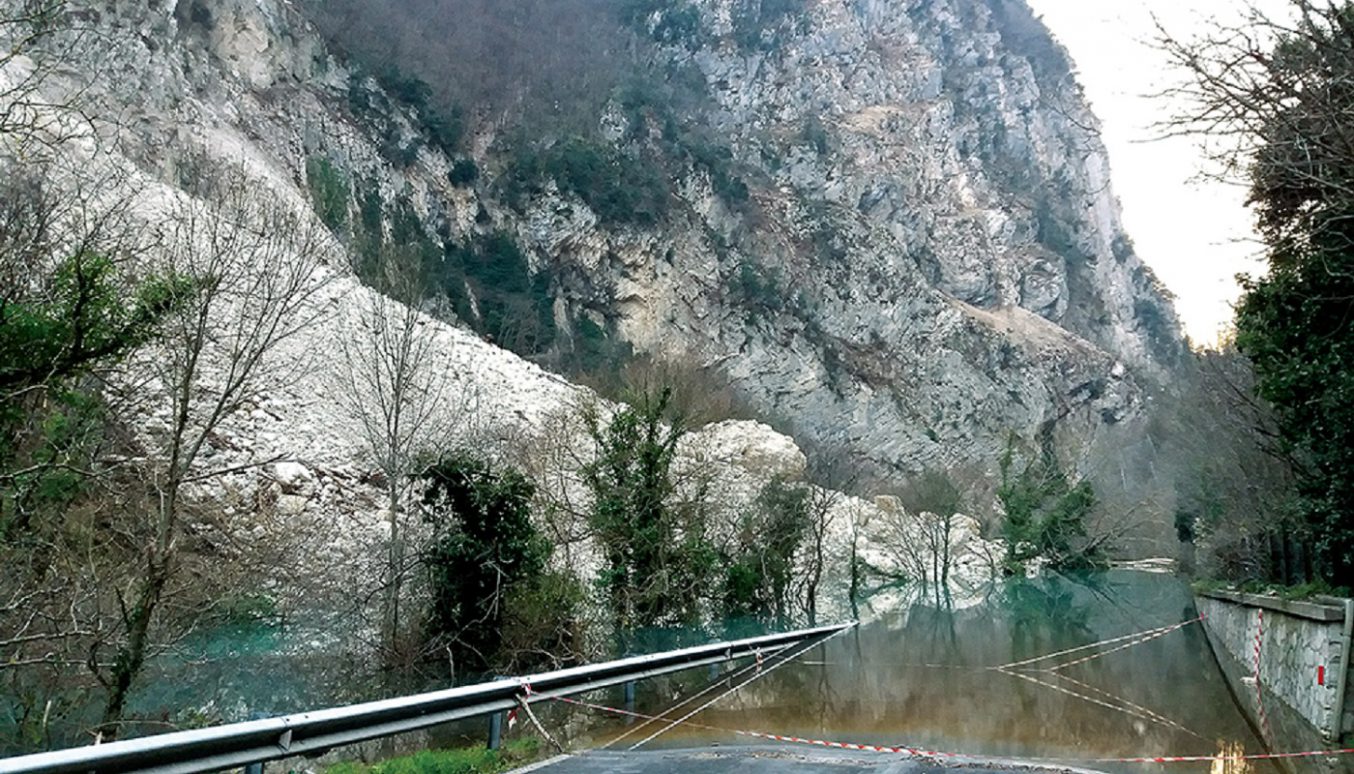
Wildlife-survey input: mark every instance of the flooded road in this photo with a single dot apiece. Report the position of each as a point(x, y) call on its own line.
point(912, 674)
point(920, 676)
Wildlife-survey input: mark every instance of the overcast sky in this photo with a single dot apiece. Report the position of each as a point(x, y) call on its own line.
point(1196, 235)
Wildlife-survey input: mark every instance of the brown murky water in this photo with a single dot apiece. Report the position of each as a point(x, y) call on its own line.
point(920, 676)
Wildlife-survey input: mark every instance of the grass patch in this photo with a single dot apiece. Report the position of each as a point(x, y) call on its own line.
point(470, 760)
point(1294, 593)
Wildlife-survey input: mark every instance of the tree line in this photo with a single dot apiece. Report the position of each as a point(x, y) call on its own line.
point(1269, 99)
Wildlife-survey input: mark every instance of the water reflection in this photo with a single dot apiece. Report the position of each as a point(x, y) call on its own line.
point(1225, 764)
point(913, 674)
point(922, 676)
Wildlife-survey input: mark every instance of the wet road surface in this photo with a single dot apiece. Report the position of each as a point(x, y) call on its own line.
point(767, 760)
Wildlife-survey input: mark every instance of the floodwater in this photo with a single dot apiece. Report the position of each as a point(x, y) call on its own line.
point(922, 676)
point(914, 674)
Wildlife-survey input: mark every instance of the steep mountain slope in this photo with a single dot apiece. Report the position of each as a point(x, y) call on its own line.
point(938, 259)
point(894, 232)
point(908, 251)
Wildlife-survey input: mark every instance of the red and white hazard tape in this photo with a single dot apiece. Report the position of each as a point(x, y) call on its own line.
point(1137, 638)
point(1147, 637)
point(755, 667)
point(1014, 669)
point(1259, 690)
point(759, 674)
point(1126, 707)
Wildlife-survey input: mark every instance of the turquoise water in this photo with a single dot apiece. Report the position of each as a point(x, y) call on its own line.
point(912, 674)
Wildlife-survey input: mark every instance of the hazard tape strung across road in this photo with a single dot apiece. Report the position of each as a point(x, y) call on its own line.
point(1145, 639)
point(755, 664)
point(920, 753)
point(1133, 640)
point(1144, 711)
point(759, 674)
point(1022, 670)
point(1137, 637)
point(1132, 710)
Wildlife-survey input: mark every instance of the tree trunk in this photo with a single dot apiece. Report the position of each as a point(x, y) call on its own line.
point(131, 656)
point(854, 590)
point(390, 624)
point(945, 560)
point(811, 588)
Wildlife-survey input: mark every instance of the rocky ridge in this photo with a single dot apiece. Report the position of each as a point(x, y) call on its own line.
point(974, 281)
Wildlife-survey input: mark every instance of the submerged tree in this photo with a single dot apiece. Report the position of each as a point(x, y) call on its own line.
point(72, 308)
point(658, 559)
point(249, 270)
point(758, 574)
point(394, 387)
point(1046, 515)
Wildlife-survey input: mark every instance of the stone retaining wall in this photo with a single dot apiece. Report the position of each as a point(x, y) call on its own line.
point(1297, 650)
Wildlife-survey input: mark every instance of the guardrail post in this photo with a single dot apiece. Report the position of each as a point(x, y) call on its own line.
point(495, 730)
point(630, 702)
point(254, 768)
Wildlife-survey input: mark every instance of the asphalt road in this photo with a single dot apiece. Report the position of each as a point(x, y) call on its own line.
point(767, 760)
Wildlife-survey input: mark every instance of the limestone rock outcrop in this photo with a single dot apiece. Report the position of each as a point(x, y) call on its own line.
point(934, 222)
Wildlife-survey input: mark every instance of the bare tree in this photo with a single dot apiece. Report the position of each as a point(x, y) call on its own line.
point(822, 513)
point(398, 390)
point(246, 269)
point(1239, 88)
point(936, 500)
point(553, 455)
point(72, 305)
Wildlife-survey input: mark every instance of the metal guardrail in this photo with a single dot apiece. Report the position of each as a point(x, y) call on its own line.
point(312, 733)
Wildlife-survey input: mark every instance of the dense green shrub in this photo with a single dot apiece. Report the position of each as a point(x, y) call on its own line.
point(681, 143)
point(87, 316)
point(399, 150)
point(658, 561)
point(443, 127)
point(329, 193)
point(515, 307)
point(464, 173)
point(1046, 515)
point(760, 566)
point(758, 288)
point(485, 550)
point(408, 89)
point(598, 354)
point(620, 189)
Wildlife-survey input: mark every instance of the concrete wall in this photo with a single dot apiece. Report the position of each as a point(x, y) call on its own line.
point(1293, 708)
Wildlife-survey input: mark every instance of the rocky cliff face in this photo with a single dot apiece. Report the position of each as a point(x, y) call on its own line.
point(929, 257)
point(935, 222)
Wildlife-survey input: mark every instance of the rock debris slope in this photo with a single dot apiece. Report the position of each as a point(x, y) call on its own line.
point(930, 217)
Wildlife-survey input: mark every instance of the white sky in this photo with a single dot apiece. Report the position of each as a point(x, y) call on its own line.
point(1195, 234)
